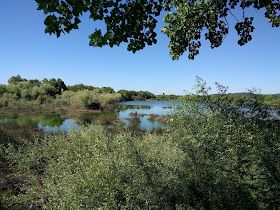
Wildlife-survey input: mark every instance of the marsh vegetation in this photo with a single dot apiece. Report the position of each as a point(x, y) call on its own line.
point(210, 155)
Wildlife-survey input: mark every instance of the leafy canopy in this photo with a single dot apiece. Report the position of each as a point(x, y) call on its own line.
point(134, 21)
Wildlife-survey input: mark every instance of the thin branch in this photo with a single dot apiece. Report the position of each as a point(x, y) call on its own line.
point(243, 10)
point(228, 29)
point(227, 22)
point(233, 16)
point(273, 12)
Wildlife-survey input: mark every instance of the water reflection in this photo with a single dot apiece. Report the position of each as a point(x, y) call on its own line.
point(51, 120)
point(156, 107)
point(65, 121)
point(65, 127)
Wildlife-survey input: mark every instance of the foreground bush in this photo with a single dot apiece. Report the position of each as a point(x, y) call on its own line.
point(12, 134)
point(232, 160)
point(94, 169)
point(212, 156)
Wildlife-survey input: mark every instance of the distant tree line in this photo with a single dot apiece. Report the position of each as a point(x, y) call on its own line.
point(54, 91)
point(171, 97)
point(33, 89)
point(79, 87)
point(238, 99)
point(130, 95)
point(127, 95)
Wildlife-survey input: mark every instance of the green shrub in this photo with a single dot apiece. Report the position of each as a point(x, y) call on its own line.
point(93, 169)
point(232, 156)
point(44, 99)
point(93, 99)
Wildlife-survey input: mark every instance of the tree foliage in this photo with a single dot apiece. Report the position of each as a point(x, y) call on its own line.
point(16, 79)
point(22, 88)
point(130, 95)
point(91, 99)
point(55, 92)
point(78, 87)
point(58, 84)
point(134, 21)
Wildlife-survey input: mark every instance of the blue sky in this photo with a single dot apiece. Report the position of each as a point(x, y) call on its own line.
point(26, 50)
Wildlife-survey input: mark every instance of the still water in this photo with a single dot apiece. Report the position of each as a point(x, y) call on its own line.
point(140, 109)
point(153, 107)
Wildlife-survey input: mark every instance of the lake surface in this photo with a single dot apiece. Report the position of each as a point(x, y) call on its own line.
point(155, 107)
point(58, 122)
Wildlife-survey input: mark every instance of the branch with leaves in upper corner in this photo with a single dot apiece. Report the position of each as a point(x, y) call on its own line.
point(134, 21)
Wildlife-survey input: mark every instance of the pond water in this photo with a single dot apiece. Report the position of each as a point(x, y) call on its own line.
point(46, 122)
point(153, 108)
point(140, 117)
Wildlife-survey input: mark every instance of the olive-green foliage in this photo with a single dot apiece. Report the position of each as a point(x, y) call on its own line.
point(43, 99)
point(47, 90)
point(24, 89)
point(107, 90)
point(12, 134)
point(54, 92)
point(240, 99)
point(79, 87)
point(57, 84)
point(86, 99)
point(107, 99)
point(16, 79)
point(67, 95)
point(7, 97)
point(44, 119)
point(168, 97)
point(128, 95)
point(3, 89)
point(91, 99)
point(90, 169)
point(231, 152)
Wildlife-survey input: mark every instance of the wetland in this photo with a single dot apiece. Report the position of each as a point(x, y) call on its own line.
point(144, 115)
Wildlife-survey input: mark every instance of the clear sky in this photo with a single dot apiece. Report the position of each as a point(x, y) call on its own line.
point(26, 50)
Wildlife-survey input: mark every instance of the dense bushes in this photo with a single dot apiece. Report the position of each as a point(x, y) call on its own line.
point(211, 156)
point(54, 92)
point(36, 91)
point(171, 97)
point(129, 95)
point(232, 152)
point(91, 99)
point(91, 169)
point(12, 134)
